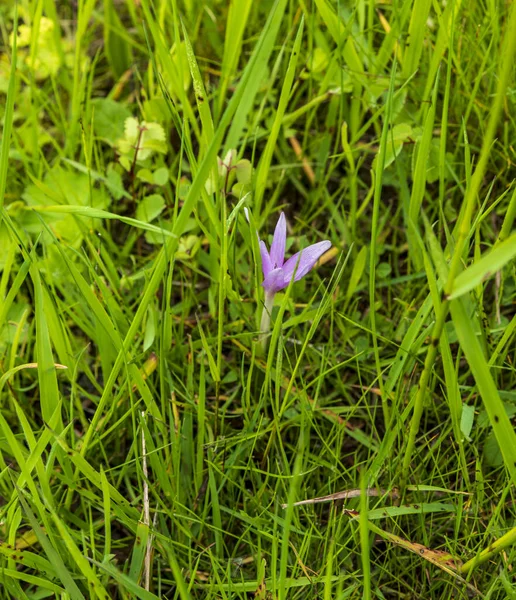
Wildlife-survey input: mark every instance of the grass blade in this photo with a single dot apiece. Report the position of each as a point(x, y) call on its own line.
point(46, 370)
point(502, 427)
point(484, 268)
point(8, 115)
point(53, 556)
point(262, 171)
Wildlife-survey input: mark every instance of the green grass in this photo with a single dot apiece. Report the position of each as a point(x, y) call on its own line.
point(149, 446)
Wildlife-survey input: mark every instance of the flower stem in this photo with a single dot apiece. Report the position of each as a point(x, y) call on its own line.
point(265, 323)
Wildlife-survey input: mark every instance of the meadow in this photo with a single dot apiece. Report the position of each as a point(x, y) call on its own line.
point(183, 416)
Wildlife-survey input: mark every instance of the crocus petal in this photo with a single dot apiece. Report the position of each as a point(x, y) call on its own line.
point(304, 260)
point(278, 242)
point(274, 281)
point(266, 261)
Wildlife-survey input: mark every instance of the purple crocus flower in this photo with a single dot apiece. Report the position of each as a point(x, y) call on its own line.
point(278, 272)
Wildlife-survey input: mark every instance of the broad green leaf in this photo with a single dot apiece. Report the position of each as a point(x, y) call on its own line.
point(244, 171)
point(145, 175)
point(161, 176)
point(61, 186)
point(109, 118)
point(396, 138)
point(150, 208)
point(113, 179)
point(140, 140)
